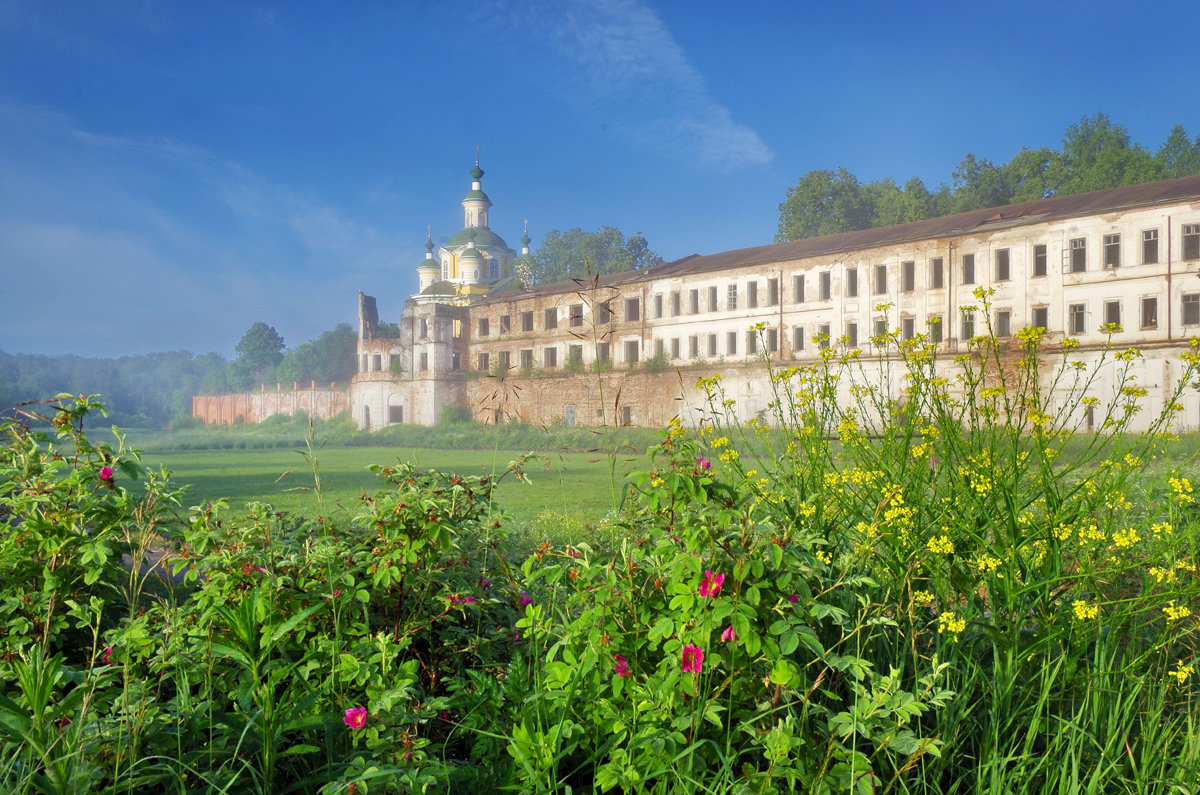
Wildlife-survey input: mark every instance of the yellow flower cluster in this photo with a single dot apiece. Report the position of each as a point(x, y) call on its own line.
point(1175, 613)
point(986, 563)
point(1182, 488)
point(951, 623)
point(1084, 610)
point(1125, 538)
point(1161, 529)
point(1162, 575)
point(941, 545)
point(923, 597)
point(1182, 672)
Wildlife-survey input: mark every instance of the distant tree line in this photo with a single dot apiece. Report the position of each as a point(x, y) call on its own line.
point(154, 389)
point(1095, 154)
point(576, 254)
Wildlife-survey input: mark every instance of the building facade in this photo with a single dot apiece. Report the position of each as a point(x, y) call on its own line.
point(1119, 266)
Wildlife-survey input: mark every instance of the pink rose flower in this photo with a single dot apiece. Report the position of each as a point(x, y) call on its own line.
point(356, 717)
point(729, 636)
point(107, 658)
point(692, 660)
point(106, 473)
point(703, 464)
point(621, 666)
point(711, 584)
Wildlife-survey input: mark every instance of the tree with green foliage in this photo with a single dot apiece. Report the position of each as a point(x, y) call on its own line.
point(823, 203)
point(259, 351)
point(327, 359)
point(1179, 155)
point(979, 183)
point(1097, 154)
point(576, 254)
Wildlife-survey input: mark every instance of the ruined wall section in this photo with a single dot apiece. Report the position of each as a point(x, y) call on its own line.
point(252, 407)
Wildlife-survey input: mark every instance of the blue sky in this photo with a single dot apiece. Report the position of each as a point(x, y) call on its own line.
point(171, 172)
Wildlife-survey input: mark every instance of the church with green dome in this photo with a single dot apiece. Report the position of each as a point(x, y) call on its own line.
point(473, 261)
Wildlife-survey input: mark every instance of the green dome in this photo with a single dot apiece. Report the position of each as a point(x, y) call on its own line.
point(477, 195)
point(440, 288)
point(470, 253)
point(483, 237)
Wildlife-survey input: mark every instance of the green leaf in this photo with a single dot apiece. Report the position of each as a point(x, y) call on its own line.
point(784, 672)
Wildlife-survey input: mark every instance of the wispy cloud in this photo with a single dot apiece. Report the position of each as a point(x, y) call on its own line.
point(632, 69)
point(123, 244)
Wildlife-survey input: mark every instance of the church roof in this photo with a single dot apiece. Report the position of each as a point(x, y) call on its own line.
point(483, 237)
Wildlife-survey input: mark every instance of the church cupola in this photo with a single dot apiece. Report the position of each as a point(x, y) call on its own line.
point(429, 270)
point(476, 203)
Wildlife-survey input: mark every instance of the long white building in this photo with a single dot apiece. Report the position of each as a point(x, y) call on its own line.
point(1078, 266)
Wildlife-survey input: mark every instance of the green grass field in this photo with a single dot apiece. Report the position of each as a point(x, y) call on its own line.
point(578, 485)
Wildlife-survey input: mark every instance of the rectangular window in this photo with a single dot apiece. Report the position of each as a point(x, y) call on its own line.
point(907, 328)
point(550, 358)
point(935, 328)
point(823, 290)
point(575, 356)
point(751, 342)
point(424, 328)
point(731, 343)
point(424, 361)
point(483, 327)
point(712, 300)
point(772, 340)
point(569, 414)
point(852, 335)
point(731, 297)
point(798, 338)
point(1078, 255)
point(693, 302)
point(1149, 313)
point(551, 316)
point(1150, 247)
point(851, 282)
point(772, 292)
point(908, 276)
point(1191, 309)
point(377, 362)
point(659, 352)
point(1003, 272)
point(798, 288)
point(674, 304)
point(936, 273)
point(675, 348)
point(712, 344)
point(576, 314)
point(1077, 318)
point(526, 321)
point(880, 279)
point(1112, 312)
point(633, 309)
point(1112, 251)
point(603, 354)
point(627, 415)
point(505, 324)
point(968, 325)
point(527, 359)
point(484, 362)
point(1003, 323)
point(657, 306)
point(632, 349)
point(1191, 241)
point(605, 314)
point(1041, 317)
point(751, 295)
point(823, 335)
point(505, 361)
point(694, 347)
point(968, 269)
point(1040, 259)
point(880, 329)
point(395, 414)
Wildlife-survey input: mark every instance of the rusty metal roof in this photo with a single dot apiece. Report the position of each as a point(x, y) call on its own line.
point(958, 225)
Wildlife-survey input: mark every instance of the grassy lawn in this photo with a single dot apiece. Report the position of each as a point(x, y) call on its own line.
point(574, 484)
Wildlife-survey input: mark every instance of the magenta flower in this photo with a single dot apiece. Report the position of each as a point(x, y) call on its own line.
point(455, 599)
point(793, 598)
point(356, 717)
point(729, 636)
point(106, 473)
point(621, 666)
point(107, 658)
point(525, 600)
point(703, 464)
point(693, 659)
point(711, 584)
